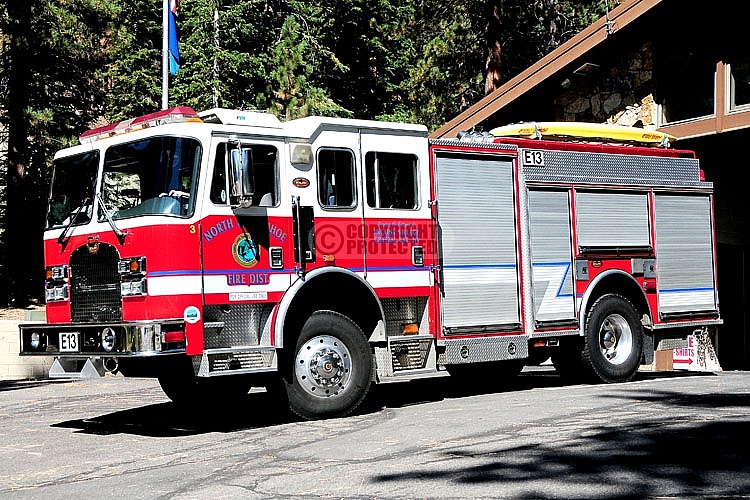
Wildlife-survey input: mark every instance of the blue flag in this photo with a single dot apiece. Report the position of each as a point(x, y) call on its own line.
point(174, 48)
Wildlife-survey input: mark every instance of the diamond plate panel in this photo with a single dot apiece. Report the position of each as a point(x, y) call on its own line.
point(603, 168)
point(478, 350)
point(238, 361)
point(665, 344)
point(402, 310)
point(236, 325)
point(409, 354)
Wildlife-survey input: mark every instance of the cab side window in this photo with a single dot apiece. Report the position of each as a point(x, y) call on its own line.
point(391, 180)
point(336, 178)
point(265, 171)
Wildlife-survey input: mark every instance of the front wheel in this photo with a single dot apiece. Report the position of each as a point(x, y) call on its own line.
point(613, 339)
point(182, 387)
point(332, 366)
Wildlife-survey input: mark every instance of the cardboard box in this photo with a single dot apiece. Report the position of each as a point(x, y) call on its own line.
point(663, 360)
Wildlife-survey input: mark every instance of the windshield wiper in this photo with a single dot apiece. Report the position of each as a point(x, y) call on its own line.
point(119, 232)
point(61, 239)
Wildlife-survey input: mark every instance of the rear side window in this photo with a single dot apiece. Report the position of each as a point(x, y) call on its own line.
point(391, 180)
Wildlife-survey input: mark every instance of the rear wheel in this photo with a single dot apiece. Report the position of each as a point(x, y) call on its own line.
point(613, 339)
point(332, 366)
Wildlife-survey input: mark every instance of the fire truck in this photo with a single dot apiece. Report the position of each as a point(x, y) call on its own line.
point(225, 250)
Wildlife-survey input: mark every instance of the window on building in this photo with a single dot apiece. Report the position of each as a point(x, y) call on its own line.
point(391, 180)
point(336, 178)
point(739, 84)
point(685, 86)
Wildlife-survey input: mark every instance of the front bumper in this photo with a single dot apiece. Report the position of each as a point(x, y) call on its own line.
point(76, 340)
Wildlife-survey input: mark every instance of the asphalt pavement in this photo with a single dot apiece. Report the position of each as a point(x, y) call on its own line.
point(663, 436)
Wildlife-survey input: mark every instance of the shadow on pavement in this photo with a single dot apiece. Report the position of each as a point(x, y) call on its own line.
point(682, 456)
point(259, 409)
point(172, 420)
point(14, 385)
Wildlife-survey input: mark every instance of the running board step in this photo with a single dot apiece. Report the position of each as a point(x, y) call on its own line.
point(237, 361)
point(406, 356)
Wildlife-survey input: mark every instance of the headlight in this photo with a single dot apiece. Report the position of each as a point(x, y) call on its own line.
point(57, 272)
point(61, 292)
point(35, 340)
point(128, 288)
point(53, 293)
point(109, 339)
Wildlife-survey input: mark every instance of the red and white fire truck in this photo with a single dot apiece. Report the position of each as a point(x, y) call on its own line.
point(224, 250)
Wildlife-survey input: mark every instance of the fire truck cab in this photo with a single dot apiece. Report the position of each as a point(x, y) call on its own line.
point(223, 250)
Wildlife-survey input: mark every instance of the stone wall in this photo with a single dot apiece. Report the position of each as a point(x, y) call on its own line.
point(621, 93)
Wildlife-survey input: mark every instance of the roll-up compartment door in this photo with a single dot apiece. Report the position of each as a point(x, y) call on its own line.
point(551, 255)
point(612, 220)
point(477, 242)
point(684, 253)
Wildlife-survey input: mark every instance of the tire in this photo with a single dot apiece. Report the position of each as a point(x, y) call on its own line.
point(331, 368)
point(182, 387)
point(613, 343)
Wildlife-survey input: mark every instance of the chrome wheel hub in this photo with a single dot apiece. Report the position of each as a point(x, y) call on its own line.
point(615, 339)
point(323, 366)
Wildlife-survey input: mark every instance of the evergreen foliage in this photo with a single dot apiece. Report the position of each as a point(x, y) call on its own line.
point(68, 65)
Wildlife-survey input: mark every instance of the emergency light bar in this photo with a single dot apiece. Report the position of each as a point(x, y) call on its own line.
point(178, 114)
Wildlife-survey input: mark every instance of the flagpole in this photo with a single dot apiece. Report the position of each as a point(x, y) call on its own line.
point(165, 55)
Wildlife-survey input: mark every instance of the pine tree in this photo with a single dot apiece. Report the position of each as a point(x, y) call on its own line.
point(291, 93)
point(50, 61)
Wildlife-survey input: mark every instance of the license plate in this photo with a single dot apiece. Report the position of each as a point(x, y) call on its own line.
point(69, 342)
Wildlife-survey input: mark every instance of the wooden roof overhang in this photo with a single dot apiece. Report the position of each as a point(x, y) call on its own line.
point(554, 62)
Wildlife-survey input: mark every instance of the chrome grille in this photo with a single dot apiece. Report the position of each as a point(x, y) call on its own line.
point(95, 285)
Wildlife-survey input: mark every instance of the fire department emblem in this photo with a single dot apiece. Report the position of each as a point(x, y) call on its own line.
point(245, 251)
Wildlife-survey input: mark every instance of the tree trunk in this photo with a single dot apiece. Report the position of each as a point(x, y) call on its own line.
point(18, 238)
point(492, 37)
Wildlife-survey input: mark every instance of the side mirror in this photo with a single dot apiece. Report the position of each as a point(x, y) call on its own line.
point(241, 178)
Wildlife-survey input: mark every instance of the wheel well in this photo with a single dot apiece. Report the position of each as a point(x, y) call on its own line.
point(623, 285)
point(333, 291)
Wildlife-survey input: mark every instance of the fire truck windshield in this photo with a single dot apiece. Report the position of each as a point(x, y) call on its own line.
point(154, 176)
point(72, 190)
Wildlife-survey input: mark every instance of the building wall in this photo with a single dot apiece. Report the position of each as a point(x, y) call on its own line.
point(13, 366)
point(621, 93)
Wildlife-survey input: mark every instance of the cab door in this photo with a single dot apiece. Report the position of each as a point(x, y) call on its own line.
point(335, 201)
point(396, 212)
